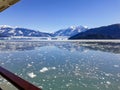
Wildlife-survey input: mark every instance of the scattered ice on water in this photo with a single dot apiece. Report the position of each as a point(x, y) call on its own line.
point(108, 82)
point(85, 51)
point(50, 88)
point(118, 74)
point(85, 85)
point(43, 80)
point(55, 76)
point(2, 63)
point(44, 69)
point(62, 70)
point(102, 78)
point(116, 66)
point(108, 74)
point(32, 62)
point(68, 84)
point(63, 80)
point(101, 82)
point(53, 68)
point(40, 86)
point(31, 75)
point(29, 65)
point(118, 87)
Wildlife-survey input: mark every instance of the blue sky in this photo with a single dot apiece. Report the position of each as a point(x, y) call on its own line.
point(52, 15)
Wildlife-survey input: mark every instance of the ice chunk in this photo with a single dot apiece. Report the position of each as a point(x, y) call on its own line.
point(31, 75)
point(53, 68)
point(116, 66)
point(44, 69)
point(108, 82)
point(29, 65)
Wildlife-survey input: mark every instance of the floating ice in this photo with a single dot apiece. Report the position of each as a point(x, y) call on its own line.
point(32, 62)
point(116, 66)
point(40, 86)
point(67, 85)
point(108, 82)
point(29, 65)
point(118, 74)
point(44, 69)
point(2, 63)
point(107, 74)
point(53, 68)
point(44, 80)
point(31, 75)
point(55, 76)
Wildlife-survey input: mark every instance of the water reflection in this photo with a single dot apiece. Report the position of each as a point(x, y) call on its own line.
point(103, 46)
point(112, 47)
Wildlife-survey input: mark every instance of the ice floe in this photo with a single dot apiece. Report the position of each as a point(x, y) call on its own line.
point(116, 66)
point(29, 65)
point(108, 82)
point(31, 75)
point(45, 69)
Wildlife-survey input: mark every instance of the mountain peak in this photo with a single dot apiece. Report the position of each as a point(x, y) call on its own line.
point(5, 26)
point(72, 27)
point(77, 27)
point(70, 31)
point(6, 30)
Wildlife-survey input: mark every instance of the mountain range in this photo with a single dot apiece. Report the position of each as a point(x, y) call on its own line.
point(104, 32)
point(73, 32)
point(7, 31)
point(16, 31)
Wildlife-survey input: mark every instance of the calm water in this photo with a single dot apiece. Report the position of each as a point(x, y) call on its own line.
point(64, 65)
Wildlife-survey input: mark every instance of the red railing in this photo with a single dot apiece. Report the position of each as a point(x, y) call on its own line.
point(17, 81)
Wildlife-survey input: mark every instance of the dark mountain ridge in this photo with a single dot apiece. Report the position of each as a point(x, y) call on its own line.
point(104, 32)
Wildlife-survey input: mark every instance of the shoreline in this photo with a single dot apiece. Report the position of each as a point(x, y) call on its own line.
point(81, 40)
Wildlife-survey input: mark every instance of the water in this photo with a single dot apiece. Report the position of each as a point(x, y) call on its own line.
point(64, 65)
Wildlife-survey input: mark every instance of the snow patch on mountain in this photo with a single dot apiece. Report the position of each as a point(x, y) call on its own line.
point(11, 31)
point(20, 32)
point(5, 26)
point(71, 31)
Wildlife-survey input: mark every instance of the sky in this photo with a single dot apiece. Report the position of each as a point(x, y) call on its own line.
point(52, 15)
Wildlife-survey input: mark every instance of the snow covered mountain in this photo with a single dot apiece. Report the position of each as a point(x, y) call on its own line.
point(6, 31)
point(16, 31)
point(71, 31)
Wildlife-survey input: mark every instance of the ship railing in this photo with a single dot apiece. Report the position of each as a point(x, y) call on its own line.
point(15, 80)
